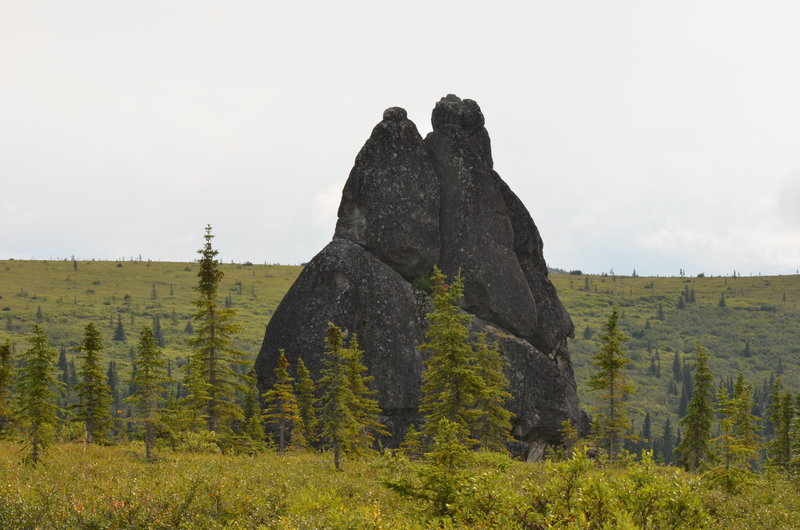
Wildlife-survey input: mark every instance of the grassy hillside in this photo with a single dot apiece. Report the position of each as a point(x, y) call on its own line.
point(68, 295)
point(757, 332)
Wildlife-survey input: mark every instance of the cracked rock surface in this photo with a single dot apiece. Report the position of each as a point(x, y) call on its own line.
point(410, 204)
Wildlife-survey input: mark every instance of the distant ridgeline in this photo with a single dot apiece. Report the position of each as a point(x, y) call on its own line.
point(410, 204)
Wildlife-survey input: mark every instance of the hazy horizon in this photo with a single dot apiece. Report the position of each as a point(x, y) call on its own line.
point(639, 136)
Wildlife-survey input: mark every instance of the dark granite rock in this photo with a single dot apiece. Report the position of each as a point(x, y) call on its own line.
point(477, 232)
point(407, 205)
point(348, 286)
point(390, 203)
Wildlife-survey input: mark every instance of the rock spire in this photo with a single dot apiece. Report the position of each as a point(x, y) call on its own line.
point(410, 204)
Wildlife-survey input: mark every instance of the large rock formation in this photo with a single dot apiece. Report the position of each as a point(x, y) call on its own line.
point(410, 204)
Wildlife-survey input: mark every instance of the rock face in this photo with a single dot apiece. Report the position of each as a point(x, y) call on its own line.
point(410, 204)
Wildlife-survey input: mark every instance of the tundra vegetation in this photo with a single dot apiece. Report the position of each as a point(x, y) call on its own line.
point(161, 447)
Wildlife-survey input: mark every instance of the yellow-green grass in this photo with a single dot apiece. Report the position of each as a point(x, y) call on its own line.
point(114, 487)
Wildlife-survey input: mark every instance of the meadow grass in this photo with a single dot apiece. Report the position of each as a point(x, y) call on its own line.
point(114, 487)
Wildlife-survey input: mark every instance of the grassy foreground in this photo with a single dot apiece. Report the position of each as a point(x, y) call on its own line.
point(113, 487)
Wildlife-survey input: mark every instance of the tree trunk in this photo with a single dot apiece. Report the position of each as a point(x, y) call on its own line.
point(148, 439)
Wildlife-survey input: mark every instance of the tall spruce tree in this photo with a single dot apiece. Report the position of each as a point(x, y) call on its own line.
point(647, 433)
point(737, 444)
point(611, 423)
point(668, 443)
point(779, 414)
point(148, 381)
point(94, 394)
point(492, 428)
point(6, 381)
point(695, 445)
point(337, 421)
point(251, 407)
point(280, 405)
point(365, 408)
point(212, 378)
point(36, 391)
point(157, 333)
point(745, 424)
point(727, 450)
point(450, 382)
point(119, 331)
point(306, 400)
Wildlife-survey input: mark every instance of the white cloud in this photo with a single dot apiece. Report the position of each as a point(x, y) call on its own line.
point(763, 247)
point(324, 207)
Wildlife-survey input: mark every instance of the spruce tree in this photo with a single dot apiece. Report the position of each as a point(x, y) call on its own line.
point(119, 331)
point(725, 443)
point(647, 433)
point(148, 381)
point(737, 445)
point(212, 379)
point(450, 382)
point(677, 369)
point(280, 405)
point(305, 402)
point(745, 424)
point(337, 421)
point(94, 395)
point(695, 448)
point(6, 380)
point(780, 413)
point(611, 423)
point(157, 333)
point(668, 443)
point(112, 379)
point(493, 425)
point(251, 407)
point(36, 391)
point(365, 408)
point(63, 365)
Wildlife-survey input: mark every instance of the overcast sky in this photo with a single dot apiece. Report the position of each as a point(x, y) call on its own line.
point(650, 135)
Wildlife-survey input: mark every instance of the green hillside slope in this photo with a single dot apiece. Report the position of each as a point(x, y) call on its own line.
point(757, 331)
point(67, 295)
